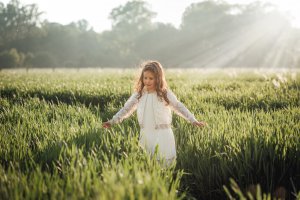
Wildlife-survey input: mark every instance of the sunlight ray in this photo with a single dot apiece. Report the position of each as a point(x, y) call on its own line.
point(256, 38)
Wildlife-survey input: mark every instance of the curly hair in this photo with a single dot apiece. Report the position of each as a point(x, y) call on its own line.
point(160, 82)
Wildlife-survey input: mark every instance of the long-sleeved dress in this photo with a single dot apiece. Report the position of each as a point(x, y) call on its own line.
point(155, 119)
point(151, 138)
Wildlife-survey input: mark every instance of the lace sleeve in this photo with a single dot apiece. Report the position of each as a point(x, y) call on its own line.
point(129, 107)
point(179, 108)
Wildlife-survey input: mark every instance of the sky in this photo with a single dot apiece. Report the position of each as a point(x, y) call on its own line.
point(96, 12)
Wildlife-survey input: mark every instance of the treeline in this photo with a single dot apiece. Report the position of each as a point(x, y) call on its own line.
point(211, 34)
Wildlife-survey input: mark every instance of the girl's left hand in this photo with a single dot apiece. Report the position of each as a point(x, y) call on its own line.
point(106, 125)
point(199, 124)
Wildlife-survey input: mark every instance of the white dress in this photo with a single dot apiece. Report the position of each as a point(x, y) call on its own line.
point(155, 136)
point(161, 139)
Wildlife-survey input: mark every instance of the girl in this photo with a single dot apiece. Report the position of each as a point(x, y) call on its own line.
point(153, 102)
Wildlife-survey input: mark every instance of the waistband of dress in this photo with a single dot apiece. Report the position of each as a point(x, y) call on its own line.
point(159, 126)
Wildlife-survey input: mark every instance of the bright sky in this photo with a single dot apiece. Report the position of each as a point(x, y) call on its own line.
point(96, 12)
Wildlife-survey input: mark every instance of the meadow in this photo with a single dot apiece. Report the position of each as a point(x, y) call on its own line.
point(52, 144)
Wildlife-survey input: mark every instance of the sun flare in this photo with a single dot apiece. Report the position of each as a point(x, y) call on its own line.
point(290, 8)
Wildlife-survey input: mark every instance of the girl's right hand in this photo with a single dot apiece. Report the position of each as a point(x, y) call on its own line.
point(106, 124)
point(199, 124)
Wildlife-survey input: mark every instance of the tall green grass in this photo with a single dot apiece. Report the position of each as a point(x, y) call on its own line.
point(52, 145)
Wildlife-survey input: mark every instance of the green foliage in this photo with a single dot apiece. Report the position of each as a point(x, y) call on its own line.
point(205, 15)
point(52, 144)
point(133, 18)
point(43, 59)
point(211, 34)
point(11, 58)
point(17, 21)
point(254, 192)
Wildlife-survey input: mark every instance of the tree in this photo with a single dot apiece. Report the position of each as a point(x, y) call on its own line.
point(60, 41)
point(44, 59)
point(11, 58)
point(129, 21)
point(133, 17)
point(205, 16)
point(82, 25)
point(158, 43)
point(17, 21)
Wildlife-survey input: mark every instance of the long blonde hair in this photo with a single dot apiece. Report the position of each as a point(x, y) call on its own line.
point(160, 82)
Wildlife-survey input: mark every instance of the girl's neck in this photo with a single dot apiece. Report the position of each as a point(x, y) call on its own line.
point(150, 91)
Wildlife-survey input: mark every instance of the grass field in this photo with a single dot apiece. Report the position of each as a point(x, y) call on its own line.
point(52, 145)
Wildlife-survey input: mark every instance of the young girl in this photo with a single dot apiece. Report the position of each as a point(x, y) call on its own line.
point(153, 102)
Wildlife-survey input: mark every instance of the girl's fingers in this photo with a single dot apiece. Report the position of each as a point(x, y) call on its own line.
point(203, 123)
point(106, 125)
point(200, 124)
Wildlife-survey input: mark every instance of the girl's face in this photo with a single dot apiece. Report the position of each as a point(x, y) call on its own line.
point(149, 81)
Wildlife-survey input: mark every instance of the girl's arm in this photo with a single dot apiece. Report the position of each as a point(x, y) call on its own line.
point(129, 107)
point(181, 110)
